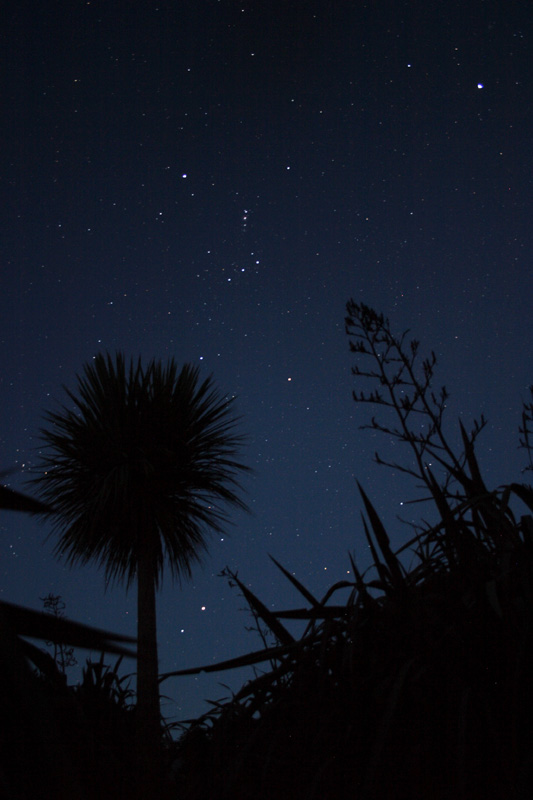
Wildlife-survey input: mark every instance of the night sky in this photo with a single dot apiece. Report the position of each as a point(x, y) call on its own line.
point(212, 181)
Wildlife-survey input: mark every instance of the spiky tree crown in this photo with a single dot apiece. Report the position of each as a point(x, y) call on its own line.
point(146, 452)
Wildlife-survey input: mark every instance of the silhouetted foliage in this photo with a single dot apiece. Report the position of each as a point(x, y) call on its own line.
point(414, 686)
point(63, 656)
point(138, 475)
point(37, 757)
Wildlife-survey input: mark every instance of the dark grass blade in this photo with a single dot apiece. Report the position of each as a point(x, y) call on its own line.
point(40, 625)
point(526, 526)
point(11, 500)
point(279, 631)
point(383, 541)
point(295, 582)
point(524, 492)
point(234, 663)
point(320, 612)
point(381, 568)
point(335, 588)
point(365, 598)
point(471, 459)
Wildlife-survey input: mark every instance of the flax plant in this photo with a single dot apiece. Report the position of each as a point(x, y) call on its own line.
point(413, 686)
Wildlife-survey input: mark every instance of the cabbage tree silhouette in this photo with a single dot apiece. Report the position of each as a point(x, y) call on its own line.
point(137, 474)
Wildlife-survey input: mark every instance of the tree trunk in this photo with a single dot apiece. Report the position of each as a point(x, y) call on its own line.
point(148, 711)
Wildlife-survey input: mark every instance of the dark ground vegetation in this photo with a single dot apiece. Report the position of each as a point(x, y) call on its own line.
point(419, 685)
point(416, 685)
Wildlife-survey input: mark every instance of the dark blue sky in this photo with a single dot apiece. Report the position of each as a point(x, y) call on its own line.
point(212, 181)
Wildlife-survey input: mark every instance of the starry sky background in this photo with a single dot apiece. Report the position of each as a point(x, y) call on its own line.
point(213, 181)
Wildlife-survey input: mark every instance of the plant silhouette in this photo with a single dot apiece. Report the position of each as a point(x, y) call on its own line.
point(137, 475)
point(415, 685)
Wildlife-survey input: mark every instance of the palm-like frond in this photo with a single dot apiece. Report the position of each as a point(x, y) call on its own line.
point(145, 452)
